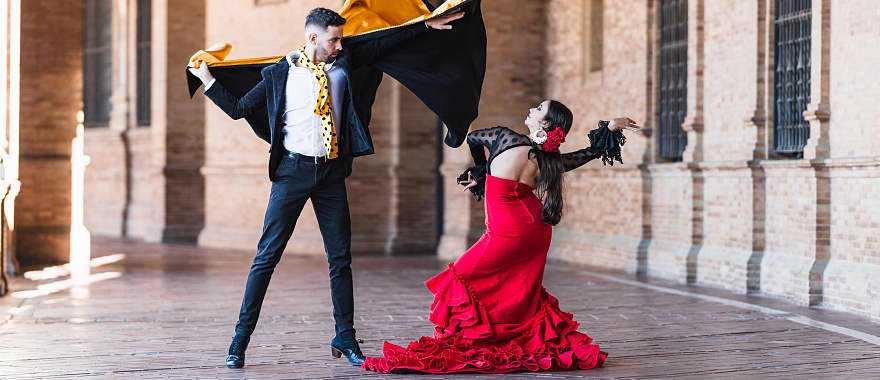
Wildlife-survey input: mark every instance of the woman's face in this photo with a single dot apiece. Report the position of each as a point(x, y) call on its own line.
point(535, 119)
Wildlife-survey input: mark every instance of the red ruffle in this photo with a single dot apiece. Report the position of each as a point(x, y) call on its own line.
point(463, 341)
point(455, 309)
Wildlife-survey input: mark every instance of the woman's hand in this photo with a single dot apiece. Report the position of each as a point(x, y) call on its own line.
point(471, 182)
point(621, 123)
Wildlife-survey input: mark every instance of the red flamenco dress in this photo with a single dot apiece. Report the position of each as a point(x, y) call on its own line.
point(491, 312)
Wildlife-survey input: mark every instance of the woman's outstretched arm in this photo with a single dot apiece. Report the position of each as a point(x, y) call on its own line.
point(605, 142)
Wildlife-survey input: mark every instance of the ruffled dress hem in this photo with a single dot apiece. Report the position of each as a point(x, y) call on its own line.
point(464, 340)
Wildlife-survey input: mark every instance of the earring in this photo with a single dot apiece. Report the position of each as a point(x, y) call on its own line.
point(539, 136)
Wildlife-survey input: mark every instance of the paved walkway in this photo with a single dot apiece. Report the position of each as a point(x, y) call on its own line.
point(167, 312)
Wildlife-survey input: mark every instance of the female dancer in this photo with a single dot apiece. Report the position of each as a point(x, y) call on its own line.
point(491, 312)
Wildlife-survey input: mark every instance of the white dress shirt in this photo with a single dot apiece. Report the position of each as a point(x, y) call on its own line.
point(302, 127)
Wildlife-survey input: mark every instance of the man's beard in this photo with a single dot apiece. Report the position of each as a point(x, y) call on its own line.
point(324, 55)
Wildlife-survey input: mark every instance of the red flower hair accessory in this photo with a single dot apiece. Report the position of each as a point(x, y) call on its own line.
point(555, 138)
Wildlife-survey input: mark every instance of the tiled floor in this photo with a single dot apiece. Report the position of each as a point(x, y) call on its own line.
point(165, 311)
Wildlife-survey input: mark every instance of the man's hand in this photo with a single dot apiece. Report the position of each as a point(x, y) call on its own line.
point(622, 123)
point(202, 73)
point(440, 23)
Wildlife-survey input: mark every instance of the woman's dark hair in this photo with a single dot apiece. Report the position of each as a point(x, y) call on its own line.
point(550, 165)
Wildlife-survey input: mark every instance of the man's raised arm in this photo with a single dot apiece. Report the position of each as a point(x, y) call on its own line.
point(365, 53)
point(237, 108)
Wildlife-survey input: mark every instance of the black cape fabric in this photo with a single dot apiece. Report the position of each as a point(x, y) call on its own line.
point(444, 69)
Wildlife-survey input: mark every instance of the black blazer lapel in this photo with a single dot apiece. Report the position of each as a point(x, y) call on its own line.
point(277, 77)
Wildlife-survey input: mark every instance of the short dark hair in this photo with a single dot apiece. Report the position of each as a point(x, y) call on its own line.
point(323, 18)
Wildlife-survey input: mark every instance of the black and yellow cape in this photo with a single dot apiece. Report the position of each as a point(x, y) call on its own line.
point(445, 70)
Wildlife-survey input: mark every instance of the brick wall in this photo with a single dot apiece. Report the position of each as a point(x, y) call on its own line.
point(850, 281)
point(105, 182)
point(729, 100)
point(791, 229)
point(724, 256)
point(144, 211)
point(796, 229)
point(51, 96)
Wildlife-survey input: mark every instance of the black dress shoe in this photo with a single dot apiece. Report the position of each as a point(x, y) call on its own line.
point(235, 357)
point(349, 348)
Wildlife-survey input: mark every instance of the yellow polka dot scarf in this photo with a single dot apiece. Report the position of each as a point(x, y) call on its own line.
point(322, 106)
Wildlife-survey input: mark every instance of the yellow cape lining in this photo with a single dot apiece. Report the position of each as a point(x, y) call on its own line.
point(362, 17)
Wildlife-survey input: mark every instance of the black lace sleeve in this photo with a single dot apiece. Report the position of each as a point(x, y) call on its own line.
point(603, 143)
point(482, 138)
point(497, 140)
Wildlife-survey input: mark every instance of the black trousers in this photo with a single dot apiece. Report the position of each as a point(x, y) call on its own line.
point(299, 178)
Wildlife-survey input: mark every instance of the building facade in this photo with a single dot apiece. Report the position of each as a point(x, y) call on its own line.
point(761, 172)
point(758, 172)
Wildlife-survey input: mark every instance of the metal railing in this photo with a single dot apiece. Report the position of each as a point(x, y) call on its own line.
point(791, 78)
point(672, 97)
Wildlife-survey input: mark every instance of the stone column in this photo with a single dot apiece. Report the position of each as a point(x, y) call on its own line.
point(50, 98)
point(373, 185)
point(415, 175)
point(693, 126)
point(10, 58)
point(650, 124)
point(393, 193)
point(756, 119)
point(818, 148)
point(178, 122)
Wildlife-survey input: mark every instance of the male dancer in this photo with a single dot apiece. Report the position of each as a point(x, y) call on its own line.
point(314, 133)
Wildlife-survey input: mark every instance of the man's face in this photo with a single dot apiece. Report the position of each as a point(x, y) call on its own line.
point(328, 43)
